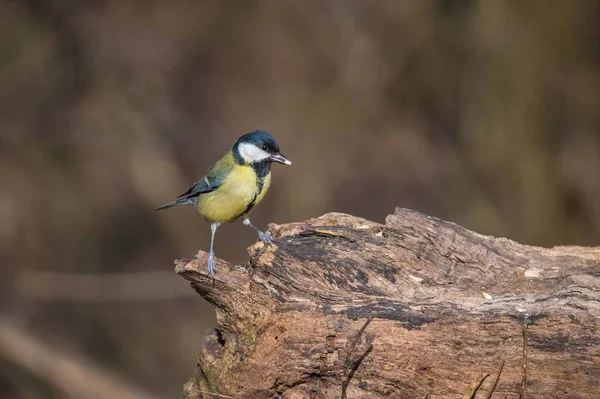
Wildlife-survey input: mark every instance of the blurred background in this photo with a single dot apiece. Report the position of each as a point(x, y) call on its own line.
point(483, 113)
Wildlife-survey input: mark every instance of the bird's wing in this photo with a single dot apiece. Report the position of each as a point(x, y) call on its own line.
point(216, 175)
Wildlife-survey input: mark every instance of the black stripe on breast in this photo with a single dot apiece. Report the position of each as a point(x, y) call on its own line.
point(261, 169)
point(249, 207)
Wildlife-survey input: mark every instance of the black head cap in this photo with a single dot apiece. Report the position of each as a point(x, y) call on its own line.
point(258, 148)
point(261, 139)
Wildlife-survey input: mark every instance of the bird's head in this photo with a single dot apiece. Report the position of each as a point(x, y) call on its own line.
point(258, 146)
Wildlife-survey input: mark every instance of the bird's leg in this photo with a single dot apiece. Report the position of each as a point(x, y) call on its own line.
point(211, 253)
point(261, 236)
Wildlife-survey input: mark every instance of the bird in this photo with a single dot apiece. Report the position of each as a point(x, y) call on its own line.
point(234, 185)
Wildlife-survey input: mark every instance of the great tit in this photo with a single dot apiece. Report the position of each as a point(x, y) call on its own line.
point(234, 185)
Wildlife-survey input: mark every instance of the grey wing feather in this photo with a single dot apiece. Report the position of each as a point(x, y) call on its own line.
point(210, 182)
point(214, 178)
point(200, 187)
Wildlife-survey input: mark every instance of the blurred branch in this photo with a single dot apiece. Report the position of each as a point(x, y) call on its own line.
point(113, 287)
point(75, 376)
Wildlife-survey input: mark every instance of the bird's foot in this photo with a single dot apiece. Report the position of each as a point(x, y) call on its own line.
point(267, 239)
point(211, 263)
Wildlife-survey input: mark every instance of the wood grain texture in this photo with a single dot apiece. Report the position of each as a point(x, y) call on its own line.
point(417, 306)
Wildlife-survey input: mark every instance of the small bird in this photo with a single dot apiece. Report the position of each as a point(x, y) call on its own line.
point(234, 185)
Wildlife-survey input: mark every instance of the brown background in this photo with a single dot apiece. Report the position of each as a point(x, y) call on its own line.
point(484, 113)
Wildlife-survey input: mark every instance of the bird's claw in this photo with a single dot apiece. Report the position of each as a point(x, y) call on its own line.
point(211, 263)
point(267, 239)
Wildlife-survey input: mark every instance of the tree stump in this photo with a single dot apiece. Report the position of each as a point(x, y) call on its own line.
point(413, 308)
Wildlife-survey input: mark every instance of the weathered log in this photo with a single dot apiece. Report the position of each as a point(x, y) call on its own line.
point(413, 308)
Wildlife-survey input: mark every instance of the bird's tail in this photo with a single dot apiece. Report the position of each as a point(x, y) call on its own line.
point(179, 201)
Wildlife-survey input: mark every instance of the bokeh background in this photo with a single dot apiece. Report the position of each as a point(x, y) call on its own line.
point(482, 112)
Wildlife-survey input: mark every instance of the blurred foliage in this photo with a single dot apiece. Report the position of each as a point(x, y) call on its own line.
point(484, 113)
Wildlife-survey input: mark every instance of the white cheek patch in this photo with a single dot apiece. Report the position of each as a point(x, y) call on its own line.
point(252, 153)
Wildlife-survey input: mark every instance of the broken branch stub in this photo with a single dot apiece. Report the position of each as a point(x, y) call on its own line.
point(445, 305)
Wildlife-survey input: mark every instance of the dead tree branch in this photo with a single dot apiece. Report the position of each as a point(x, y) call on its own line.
point(447, 305)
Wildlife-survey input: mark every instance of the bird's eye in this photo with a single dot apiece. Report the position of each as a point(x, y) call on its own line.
point(264, 148)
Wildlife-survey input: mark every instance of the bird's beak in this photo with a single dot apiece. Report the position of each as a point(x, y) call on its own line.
point(280, 158)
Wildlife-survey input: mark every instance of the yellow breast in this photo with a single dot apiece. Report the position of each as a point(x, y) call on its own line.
point(238, 194)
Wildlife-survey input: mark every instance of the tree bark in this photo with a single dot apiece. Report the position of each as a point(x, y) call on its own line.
point(413, 308)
